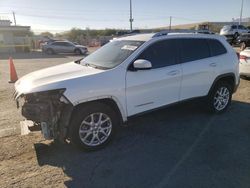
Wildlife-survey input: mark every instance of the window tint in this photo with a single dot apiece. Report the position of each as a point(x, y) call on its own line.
point(216, 47)
point(241, 27)
point(161, 54)
point(58, 43)
point(234, 27)
point(68, 44)
point(63, 44)
point(194, 49)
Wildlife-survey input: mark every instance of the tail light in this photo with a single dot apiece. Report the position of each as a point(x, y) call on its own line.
point(242, 57)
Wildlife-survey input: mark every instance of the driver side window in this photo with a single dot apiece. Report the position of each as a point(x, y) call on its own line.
point(161, 54)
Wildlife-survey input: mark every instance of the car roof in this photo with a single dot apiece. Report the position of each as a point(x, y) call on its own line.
point(137, 37)
point(150, 36)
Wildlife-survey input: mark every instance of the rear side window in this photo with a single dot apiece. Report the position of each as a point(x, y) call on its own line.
point(68, 44)
point(242, 27)
point(216, 47)
point(58, 44)
point(161, 54)
point(194, 49)
point(234, 27)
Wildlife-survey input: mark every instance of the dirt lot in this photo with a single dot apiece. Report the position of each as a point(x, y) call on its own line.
point(181, 146)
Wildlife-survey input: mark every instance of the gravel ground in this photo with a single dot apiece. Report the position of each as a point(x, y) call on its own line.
point(181, 146)
point(24, 64)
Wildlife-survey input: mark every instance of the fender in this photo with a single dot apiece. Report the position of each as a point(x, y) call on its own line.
point(119, 105)
point(224, 76)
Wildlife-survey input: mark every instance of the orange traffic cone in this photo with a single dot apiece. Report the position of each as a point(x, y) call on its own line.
point(13, 74)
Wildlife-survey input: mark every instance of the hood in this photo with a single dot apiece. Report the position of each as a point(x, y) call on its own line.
point(53, 77)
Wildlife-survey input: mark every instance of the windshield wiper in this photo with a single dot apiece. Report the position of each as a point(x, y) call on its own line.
point(78, 61)
point(95, 66)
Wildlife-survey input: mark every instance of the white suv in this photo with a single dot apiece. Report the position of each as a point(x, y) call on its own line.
point(85, 101)
point(233, 30)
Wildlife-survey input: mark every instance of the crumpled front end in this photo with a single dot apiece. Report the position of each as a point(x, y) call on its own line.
point(50, 111)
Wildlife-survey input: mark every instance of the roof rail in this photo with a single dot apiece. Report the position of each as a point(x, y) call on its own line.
point(166, 32)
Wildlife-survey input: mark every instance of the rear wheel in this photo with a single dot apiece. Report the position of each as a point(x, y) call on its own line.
point(93, 126)
point(78, 52)
point(50, 51)
point(220, 97)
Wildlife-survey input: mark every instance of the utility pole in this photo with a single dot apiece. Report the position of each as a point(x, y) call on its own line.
point(131, 17)
point(170, 23)
point(241, 11)
point(14, 17)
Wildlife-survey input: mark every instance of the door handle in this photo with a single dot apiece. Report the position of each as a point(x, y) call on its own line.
point(212, 64)
point(173, 73)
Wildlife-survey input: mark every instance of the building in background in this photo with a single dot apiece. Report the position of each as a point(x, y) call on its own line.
point(14, 38)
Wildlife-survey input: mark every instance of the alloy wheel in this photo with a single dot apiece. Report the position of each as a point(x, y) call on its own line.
point(95, 129)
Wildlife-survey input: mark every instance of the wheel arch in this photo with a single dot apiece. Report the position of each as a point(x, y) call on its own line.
point(76, 48)
point(110, 101)
point(229, 78)
point(50, 49)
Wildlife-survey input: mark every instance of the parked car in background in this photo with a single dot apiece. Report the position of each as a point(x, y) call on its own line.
point(64, 47)
point(87, 100)
point(205, 31)
point(245, 63)
point(243, 40)
point(233, 31)
point(124, 32)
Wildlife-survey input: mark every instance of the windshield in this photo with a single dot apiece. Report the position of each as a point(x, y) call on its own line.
point(227, 27)
point(112, 54)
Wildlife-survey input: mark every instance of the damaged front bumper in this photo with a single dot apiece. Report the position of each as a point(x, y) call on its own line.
point(50, 111)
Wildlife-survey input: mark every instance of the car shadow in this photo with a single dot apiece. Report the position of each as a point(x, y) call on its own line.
point(35, 55)
point(166, 146)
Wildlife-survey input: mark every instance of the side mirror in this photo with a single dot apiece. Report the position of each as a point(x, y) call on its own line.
point(142, 64)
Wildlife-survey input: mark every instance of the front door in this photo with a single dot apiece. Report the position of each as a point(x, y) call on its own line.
point(159, 86)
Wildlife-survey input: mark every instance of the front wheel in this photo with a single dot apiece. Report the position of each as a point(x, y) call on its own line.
point(220, 97)
point(93, 126)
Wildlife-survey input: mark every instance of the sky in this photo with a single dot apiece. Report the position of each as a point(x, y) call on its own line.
point(60, 15)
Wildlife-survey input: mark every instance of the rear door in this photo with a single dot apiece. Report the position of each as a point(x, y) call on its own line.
point(242, 29)
point(198, 68)
point(69, 47)
point(159, 86)
point(58, 47)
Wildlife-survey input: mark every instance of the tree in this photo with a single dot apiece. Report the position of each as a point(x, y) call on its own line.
point(47, 34)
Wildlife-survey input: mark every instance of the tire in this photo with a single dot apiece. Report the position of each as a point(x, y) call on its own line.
point(220, 97)
point(78, 52)
point(243, 46)
point(86, 131)
point(50, 51)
